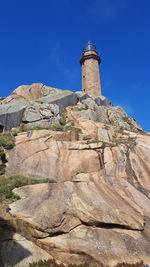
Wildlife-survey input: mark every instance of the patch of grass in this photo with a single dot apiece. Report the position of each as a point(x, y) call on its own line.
point(18, 130)
point(86, 138)
point(83, 108)
point(62, 128)
point(23, 130)
point(62, 122)
point(72, 123)
point(124, 264)
point(73, 129)
point(7, 140)
point(39, 101)
point(2, 169)
point(130, 141)
point(96, 140)
point(8, 184)
point(57, 128)
point(65, 129)
point(52, 263)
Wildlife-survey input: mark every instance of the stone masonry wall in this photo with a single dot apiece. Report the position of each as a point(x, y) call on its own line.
point(91, 76)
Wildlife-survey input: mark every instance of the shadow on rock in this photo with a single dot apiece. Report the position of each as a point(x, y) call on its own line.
point(12, 249)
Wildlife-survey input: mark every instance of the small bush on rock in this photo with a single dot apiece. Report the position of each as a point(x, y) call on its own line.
point(62, 123)
point(83, 108)
point(86, 138)
point(7, 140)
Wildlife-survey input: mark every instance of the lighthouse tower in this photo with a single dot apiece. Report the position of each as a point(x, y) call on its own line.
point(90, 61)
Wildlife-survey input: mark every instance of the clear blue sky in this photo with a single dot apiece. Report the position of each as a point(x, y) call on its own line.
point(42, 40)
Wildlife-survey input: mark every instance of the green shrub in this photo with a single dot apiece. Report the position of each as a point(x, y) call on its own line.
point(18, 130)
point(83, 108)
point(39, 101)
point(72, 123)
point(86, 138)
point(73, 129)
point(7, 140)
point(62, 123)
point(8, 184)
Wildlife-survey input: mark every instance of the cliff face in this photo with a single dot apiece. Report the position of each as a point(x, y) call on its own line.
point(96, 206)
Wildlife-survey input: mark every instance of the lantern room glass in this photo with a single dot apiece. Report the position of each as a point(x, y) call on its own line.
point(89, 46)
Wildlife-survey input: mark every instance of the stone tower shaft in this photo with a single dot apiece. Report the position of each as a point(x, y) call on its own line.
point(90, 61)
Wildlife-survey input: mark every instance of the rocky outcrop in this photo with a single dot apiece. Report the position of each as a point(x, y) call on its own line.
point(11, 113)
point(41, 115)
point(89, 217)
point(41, 106)
point(43, 154)
point(95, 207)
point(32, 92)
point(36, 100)
point(111, 116)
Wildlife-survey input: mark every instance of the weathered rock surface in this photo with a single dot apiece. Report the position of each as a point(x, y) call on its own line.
point(31, 92)
point(62, 234)
point(61, 98)
point(26, 98)
point(112, 116)
point(28, 105)
point(11, 113)
point(98, 203)
point(96, 206)
point(17, 251)
point(41, 115)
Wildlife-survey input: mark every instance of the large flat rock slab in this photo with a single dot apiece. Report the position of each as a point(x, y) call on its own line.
point(11, 113)
point(101, 220)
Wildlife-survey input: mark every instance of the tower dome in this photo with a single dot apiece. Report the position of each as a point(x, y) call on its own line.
point(89, 46)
